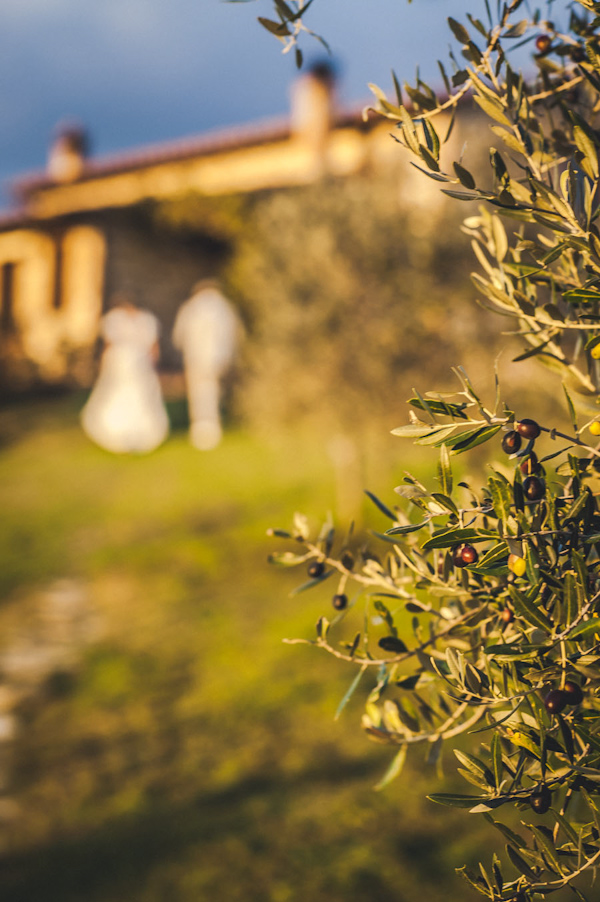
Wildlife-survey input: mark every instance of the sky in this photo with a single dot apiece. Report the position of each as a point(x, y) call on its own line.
point(138, 72)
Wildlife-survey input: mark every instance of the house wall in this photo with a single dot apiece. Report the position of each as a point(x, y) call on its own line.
point(157, 267)
point(51, 304)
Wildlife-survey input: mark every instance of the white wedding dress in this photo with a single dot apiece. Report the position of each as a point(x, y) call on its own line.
point(125, 411)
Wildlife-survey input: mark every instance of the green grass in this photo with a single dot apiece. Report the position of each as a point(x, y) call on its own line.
point(191, 755)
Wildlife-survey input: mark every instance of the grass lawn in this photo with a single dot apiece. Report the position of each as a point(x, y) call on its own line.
point(184, 752)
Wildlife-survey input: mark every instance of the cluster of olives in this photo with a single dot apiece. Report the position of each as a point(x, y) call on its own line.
point(555, 702)
point(533, 486)
point(558, 699)
point(317, 568)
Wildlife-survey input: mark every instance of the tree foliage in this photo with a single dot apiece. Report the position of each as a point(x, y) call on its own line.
point(477, 620)
point(343, 298)
point(288, 24)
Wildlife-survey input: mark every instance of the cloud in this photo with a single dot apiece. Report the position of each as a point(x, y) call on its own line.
point(25, 10)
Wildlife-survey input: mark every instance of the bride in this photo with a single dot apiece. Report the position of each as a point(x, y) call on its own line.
point(125, 412)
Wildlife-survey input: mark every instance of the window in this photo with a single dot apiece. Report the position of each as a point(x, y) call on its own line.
point(7, 291)
point(57, 291)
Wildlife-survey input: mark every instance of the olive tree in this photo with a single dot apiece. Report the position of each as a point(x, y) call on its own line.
point(477, 619)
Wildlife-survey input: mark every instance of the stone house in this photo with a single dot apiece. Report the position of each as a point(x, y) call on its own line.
point(78, 232)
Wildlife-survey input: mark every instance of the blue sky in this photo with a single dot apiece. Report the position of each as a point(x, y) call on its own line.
point(146, 71)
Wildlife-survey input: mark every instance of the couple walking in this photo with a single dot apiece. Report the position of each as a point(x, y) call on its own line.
point(125, 411)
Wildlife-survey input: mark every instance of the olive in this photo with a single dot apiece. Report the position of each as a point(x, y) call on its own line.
point(339, 601)
point(316, 569)
point(543, 43)
point(517, 564)
point(578, 54)
point(529, 429)
point(533, 488)
point(463, 555)
point(511, 442)
point(541, 799)
point(530, 464)
point(556, 701)
point(469, 554)
point(507, 615)
point(574, 693)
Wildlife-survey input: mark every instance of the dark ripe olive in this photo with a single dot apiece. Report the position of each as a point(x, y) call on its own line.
point(533, 488)
point(530, 464)
point(529, 429)
point(574, 693)
point(316, 569)
point(463, 555)
point(339, 601)
point(347, 560)
point(543, 43)
point(469, 554)
point(511, 442)
point(541, 799)
point(457, 556)
point(556, 701)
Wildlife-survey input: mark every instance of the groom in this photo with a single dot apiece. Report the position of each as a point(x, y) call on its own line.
point(206, 331)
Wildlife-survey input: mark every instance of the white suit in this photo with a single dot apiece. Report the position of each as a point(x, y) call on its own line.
point(206, 332)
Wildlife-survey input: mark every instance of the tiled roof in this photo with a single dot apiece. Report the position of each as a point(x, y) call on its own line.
point(206, 144)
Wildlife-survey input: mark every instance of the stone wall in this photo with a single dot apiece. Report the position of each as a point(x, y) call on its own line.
point(158, 267)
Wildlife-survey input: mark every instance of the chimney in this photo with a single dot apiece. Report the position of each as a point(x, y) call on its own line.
point(312, 105)
point(68, 153)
